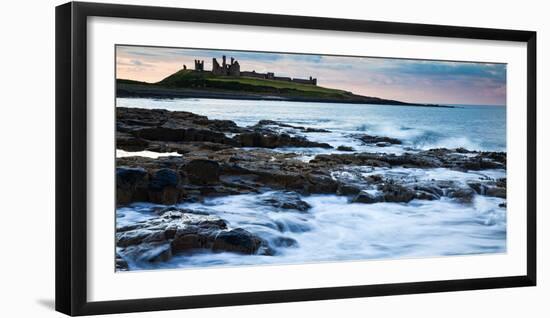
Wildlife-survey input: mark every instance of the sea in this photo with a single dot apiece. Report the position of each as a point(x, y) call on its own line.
point(334, 229)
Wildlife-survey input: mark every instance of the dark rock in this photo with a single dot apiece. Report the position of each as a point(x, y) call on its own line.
point(150, 253)
point(163, 178)
point(164, 187)
point(345, 148)
point(320, 183)
point(374, 178)
point(237, 240)
point(136, 237)
point(365, 197)
point(180, 230)
point(187, 239)
point(422, 195)
point(315, 130)
point(287, 201)
point(348, 189)
point(430, 191)
point(120, 263)
point(496, 192)
point(383, 144)
point(501, 183)
point(202, 171)
point(462, 195)
point(396, 193)
point(129, 142)
point(478, 187)
point(433, 158)
point(261, 140)
point(368, 139)
point(265, 122)
point(131, 185)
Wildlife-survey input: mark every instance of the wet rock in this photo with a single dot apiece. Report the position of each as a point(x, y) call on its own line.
point(131, 185)
point(348, 189)
point(202, 171)
point(433, 158)
point(315, 130)
point(120, 263)
point(262, 124)
point(422, 195)
point(237, 240)
point(496, 192)
point(396, 193)
point(164, 187)
point(150, 253)
point(320, 183)
point(180, 230)
point(383, 144)
point(261, 140)
point(141, 129)
point(188, 239)
point(478, 187)
point(345, 148)
point(374, 178)
point(286, 201)
point(129, 142)
point(368, 139)
point(429, 190)
point(366, 197)
point(462, 195)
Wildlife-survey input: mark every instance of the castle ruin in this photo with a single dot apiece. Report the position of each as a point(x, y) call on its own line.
point(199, 65)
point(233, 68)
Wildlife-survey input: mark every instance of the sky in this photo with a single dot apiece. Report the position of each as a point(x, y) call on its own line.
point(408, 80)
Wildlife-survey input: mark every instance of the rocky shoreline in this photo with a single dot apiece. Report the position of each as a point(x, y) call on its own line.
point(219, 158)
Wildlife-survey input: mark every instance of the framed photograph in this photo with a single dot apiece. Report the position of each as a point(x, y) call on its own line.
point(208, 158)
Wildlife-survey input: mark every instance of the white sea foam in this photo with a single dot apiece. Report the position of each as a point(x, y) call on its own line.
point(146, 153)
point(335, 230)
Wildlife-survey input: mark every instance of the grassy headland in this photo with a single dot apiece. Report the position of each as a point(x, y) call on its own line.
point(190, 83)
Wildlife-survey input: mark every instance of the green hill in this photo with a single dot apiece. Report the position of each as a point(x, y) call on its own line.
point(205, 80)
point(190, 83)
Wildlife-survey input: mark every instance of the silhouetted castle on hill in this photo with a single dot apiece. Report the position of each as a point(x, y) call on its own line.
point(234, 69)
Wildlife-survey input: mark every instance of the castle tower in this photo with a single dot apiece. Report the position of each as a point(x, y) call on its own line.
point(234, 69)
point(216, 69)
point(223, 62)
point(199, 65)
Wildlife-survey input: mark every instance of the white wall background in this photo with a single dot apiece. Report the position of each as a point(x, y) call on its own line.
point(27, 158)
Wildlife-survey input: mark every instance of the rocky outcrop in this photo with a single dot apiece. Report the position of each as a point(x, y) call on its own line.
point(213, 166)
point(345, 148)
point(165, 131)
point(379, 140)
point(177, 231)
point(233, 171)
point(433, 158)
point(271, 140)
point(286, 201)
point(262, 125)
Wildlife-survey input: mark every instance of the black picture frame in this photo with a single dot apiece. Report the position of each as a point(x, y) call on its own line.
point(71, 157)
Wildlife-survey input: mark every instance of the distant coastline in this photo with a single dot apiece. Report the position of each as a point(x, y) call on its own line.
point(128, 88)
